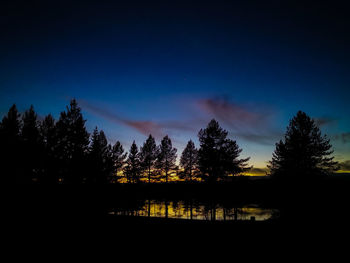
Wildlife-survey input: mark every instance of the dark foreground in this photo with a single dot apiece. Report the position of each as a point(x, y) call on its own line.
point(320, 207)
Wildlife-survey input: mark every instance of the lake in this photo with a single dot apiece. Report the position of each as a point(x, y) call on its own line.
point(194, 210)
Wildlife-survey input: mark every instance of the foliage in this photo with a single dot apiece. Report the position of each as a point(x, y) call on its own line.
point(10, 127)
point(133, 166)
point(118, 158)
point(72, 144)
point(48, 136)
point(50, 152)
point(218, 155)
point(304, 153)
point(189, 160)
point(31, 146)
point(166, 157)
point(148, 155)
point(100, 161)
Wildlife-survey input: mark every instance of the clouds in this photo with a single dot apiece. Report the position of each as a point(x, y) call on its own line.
point(144, 127)
point(343, 137)
point(323, 121)
point(254, 124)
point(229, 112)
point(157, 128)
point(268, 138)
point(247, 124)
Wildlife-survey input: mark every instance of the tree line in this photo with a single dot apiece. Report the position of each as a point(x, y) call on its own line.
point(49, 152)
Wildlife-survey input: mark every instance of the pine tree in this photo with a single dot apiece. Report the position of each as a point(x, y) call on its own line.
point(218, 155)
point(304, 153)
point(118, 160)
point(189, 159)
point(48, 135)
point(148, 155)
point(100, 161)
point(72, 144)
point(133, 168)
point(11, 124)
point(167, 157)
point(32, 147)
point(10, 144)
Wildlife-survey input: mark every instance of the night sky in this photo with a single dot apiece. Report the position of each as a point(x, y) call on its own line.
point(168, 67)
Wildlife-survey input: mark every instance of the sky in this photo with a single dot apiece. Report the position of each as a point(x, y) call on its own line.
point(169, 67)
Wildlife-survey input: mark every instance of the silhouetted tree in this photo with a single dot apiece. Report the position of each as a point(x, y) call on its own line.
point(100, 161)
point(189, 159)
point(133, 167)
point(167, 157)
point(10, 144)
point(32, 146)
point(118, 159)
point(148, 155)
point(304, 153)
point(218, 155)
point(48, 135)
point(72, 144)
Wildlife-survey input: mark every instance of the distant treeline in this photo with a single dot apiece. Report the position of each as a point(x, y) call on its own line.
point(62, 151)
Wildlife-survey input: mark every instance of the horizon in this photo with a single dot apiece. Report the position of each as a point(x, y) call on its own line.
point(253, 171)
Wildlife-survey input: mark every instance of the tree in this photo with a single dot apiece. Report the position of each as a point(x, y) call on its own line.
point(10, 144)
point(72, 144)
point(48, 136)
point(133, 168)
point(32, 146)
point(218, 155)
point(304, 153)
point(166, 157)
point(189, 159)
point(118, 159)
point(100, 161)
point(148, 155)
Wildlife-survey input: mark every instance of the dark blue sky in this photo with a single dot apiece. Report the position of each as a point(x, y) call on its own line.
point(168, 67)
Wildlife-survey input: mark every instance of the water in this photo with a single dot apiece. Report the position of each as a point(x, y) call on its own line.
point(193, 210)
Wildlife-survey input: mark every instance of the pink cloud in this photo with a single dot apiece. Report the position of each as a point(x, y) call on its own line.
point(144, 127)
point(233, 114)
point(254, 124)
point(248, 124)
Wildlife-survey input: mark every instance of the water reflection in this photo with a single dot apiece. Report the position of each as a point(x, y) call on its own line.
point(195, 210)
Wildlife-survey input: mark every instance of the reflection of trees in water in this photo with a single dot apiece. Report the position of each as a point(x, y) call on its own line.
point(187, 208)
point(192, 209)
point(129, 208)
point(176, 208)
point(208, 210)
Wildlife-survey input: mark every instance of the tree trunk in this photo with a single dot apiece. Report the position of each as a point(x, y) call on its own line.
point(191, 207)
point(166, 209)
point(214, 212)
